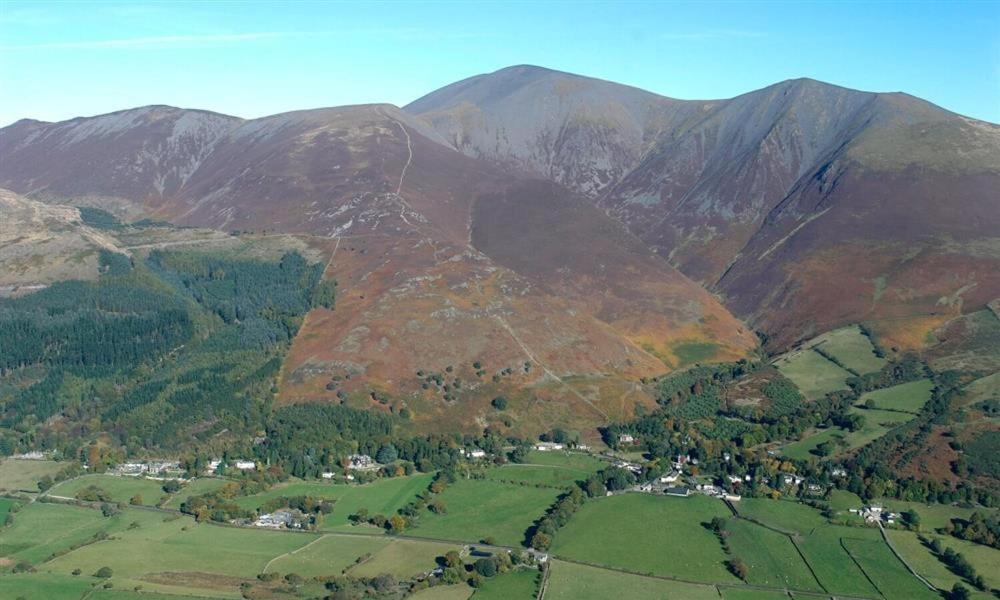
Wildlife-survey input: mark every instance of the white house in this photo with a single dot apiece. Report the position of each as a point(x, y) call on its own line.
point(327, 475)
point(245, 465)
point(626, 438)
point(477, 453)
point(670, 477)
point(546, 446)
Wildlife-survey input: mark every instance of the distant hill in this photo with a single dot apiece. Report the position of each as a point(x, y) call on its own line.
point(805, 205)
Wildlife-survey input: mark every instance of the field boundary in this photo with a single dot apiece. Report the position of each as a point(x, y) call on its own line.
point(858, 564)
point(900, 558)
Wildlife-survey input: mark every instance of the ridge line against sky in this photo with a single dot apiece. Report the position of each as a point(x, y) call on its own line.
point(261, 58)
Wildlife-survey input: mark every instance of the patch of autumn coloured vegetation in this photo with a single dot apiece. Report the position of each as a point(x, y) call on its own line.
point(908, 333)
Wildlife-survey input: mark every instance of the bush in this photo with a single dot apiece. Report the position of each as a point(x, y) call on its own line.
point(104, 573)
point(487, 567)
point(499, 403)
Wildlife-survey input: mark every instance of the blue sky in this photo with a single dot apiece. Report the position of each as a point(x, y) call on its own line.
point(63, 59)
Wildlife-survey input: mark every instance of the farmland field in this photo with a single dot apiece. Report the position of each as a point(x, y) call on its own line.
point(536, 474)
point(570, 581)
point(41, 529)
point(924, 562)
point(802, 449)
point(852, 348)
point(835, 568)
point(327, 555)
point(403, 558)
point(514, 585)
point(44, 586)
point(444, 592)
point(5, 505)
point(202, 485)
point(327, 491)
point(23, 475)
point(907, 397)
point(885, 570)
point(477, 509)
point(770, 556)
point(782, 514)
point(877, 424)
point(814, 375)
point(934, 516)
point(120, 489)
point(384, 496)
point(639, 532)
point(735, 593)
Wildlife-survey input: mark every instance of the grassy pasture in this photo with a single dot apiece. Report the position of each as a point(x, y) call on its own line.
point(536, 474)
point(770, 556)
point(41, 529)
point(802, 449)
point(403, 558)
point(179, 545)
point(478, 509)
point(444, 592)
point(842, 500)
point(814, 375)
point(984, 388)
point(933, 516)
point(569, 581)
point(23, 475)
point(384, 496)
point(327, 555)
point(929, 566)
point(907, 397)
point(735, 593)
point(202, 485)
point(835, 569)
point(784, 515)
point(570, 460)
point(120, 489)
point(852, 348)
point(5, 505)
point(877, 423)
point(644, 533)
point(44, 586)
point(885, 570)
point(327, 491)
point(513, 585)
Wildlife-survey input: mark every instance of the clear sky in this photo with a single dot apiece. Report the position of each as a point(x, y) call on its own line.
point(64, 59)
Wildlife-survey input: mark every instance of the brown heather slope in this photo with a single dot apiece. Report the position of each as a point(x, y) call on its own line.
point(805, 205)
point(447, 260)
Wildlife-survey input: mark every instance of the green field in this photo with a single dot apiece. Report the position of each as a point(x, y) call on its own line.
point(984, 388)
point(444, 592)
point(877, 424)
point(478, 509)
point(784, 515)
point(648, 534)
point(930, 567)
point(513, 585)
point(384, 496)
point(569, 581)
point(202, 485)
point(23, 475)
point(834, 568)
point(814, 375)
point(555, 468)
point(735, 593)
point(327, 491)
point(771, 557)
point(885, 571)
point(907, 397)
point(327, 555)
point(44, 586)
point(5, 505)
point(802, 449)
point(403, 558)
point(120, 489)
point(934, 516)
point(842, 500)
point(851, 348)
point(571, 460)
point(41, 529)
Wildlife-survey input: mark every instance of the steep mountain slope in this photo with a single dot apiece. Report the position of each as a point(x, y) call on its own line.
point(805, 205)
point(117, 160)
point(447, 260)
point(42, 243)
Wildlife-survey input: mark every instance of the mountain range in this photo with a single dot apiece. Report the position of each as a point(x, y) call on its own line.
point(569, 233)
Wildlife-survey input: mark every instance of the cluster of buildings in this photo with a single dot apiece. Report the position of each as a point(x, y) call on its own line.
point(150, 468)
point(876, 513)
point(279, 519)
point(362, 462)
point(32, 455)
point(240, 464)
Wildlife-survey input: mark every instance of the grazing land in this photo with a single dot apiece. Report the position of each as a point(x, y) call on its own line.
point(444, 592)
point(877, 423)
point(569, 581)
point(23, 475)
point(640, 533)
point(814, 375)
point(328, 555)
point(478, 509)
point(787, 516)
point(514, 585)
point(537, 474)
point(326, 491)
point(851, 348)
point(771, 557)
point(403, 558)
point(202, 485)
point(41, 530)
point(384, 496)
point(45, 586)
point(885, 571)
point(905, 397)
point(929, 566)
point(118, 489)
point(803, 449)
